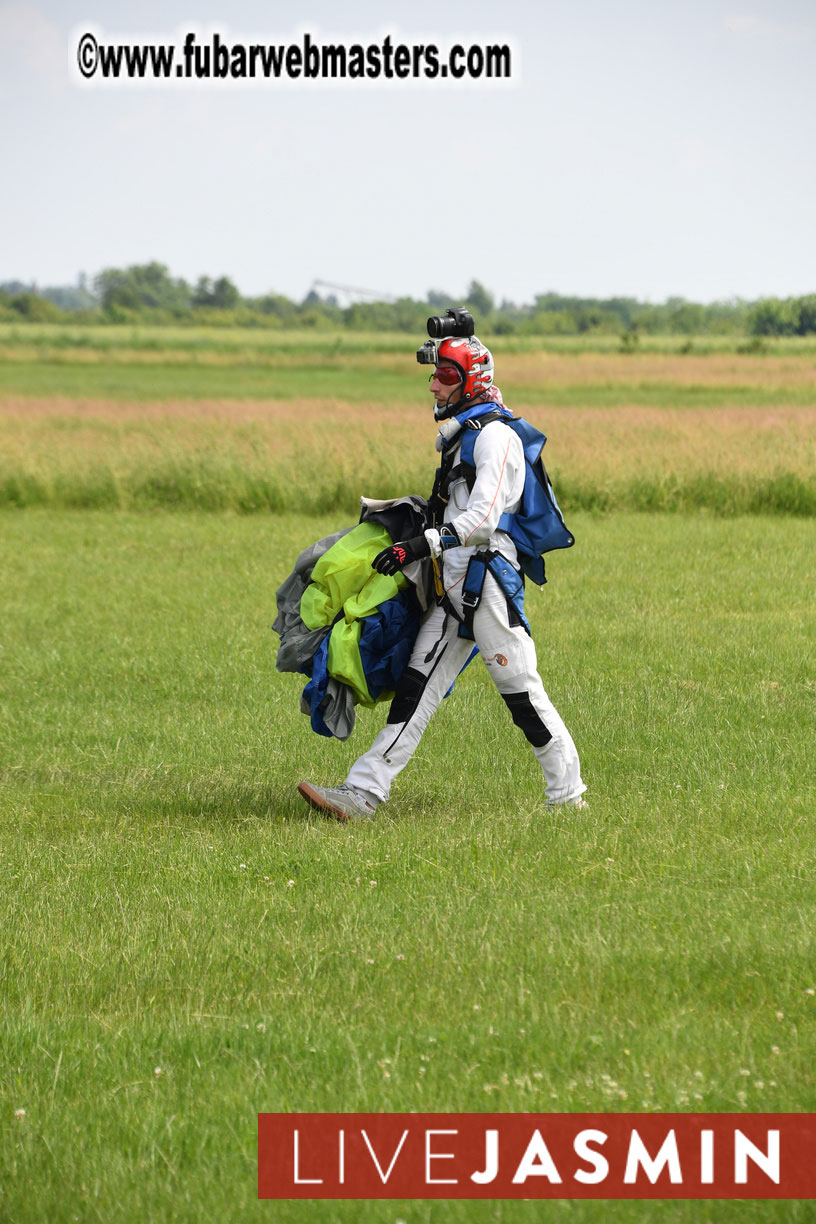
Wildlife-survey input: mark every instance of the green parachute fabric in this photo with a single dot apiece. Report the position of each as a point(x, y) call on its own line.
point(344, 588)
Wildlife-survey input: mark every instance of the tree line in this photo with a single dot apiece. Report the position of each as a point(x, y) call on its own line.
point(148, 293)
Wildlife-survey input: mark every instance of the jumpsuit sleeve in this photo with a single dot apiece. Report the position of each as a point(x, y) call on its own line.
point(498, 456)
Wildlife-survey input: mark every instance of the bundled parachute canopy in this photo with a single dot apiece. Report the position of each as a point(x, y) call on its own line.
point(348, 628)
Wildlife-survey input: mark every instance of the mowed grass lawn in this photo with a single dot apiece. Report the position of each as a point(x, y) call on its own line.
point(185, 944)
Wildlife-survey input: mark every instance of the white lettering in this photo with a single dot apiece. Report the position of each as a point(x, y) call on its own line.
point(536, 1162)
point(341, 1160)
point(429, 1156)
point(599, 1163)
point(303, 1181)
point(768, 1161)
point(707, 1157)
point(384, 1176)
point(638, 1155)
point(491, 1168)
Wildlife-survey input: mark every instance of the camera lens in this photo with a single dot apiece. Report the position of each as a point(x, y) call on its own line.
point(439, 328)
point(458, 322)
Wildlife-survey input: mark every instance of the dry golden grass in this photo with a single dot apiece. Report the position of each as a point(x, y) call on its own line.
point(613, 443)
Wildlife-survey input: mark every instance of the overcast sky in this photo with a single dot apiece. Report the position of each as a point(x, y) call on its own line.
point(647, 149)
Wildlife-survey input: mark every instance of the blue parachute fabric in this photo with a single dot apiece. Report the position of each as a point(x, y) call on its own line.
point(315, 690)
point(386, 641)
point(538, 526)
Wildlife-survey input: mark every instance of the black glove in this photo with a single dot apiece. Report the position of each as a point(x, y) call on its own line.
point(392, 560)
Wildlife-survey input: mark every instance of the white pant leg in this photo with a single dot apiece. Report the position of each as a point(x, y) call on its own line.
point(509, 653)
point(436, 660)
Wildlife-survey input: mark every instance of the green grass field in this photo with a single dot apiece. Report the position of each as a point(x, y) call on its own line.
point(169, 903)
point(184, 943)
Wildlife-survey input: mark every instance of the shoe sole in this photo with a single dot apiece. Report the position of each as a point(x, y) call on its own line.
point(314, 800)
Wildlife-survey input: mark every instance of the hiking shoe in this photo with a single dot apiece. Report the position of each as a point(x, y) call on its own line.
point(341, 802)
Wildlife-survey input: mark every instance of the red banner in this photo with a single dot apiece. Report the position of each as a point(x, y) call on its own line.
point(536, 1156)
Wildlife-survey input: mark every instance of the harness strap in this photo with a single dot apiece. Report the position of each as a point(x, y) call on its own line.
point(449, 470)
point(510, 582)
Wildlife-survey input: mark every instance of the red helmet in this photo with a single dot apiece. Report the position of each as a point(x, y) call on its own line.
point(473, 361)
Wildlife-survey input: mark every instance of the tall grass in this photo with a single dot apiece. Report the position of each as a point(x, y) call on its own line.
point(130, 418)
point(319, 456)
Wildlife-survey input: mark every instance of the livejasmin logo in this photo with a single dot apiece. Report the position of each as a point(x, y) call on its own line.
point(397, 1156)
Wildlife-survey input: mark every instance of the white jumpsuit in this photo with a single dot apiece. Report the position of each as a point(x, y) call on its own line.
point(508, 651)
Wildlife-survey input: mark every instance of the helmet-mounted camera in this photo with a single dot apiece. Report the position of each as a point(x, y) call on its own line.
point(455, 322)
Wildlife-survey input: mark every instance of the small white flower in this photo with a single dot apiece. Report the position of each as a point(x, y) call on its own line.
point(243, 866)
point(19, 1113)
point(157, 1072)
point(372, 883)
point(810, 991)
point(775, 1050)
point(744, 1071)
point(290, 883)
point(476, 1007)
point(780, 1015)
point(261, 1027)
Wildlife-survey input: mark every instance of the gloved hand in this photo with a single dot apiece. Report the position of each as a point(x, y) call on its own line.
point(392, 560)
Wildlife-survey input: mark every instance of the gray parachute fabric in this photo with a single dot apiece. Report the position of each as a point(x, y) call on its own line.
point(402, 518)
point(299, 643)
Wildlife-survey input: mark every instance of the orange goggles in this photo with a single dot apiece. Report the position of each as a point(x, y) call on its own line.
point(449, 376)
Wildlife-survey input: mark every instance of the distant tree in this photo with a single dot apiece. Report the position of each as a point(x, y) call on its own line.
point(142, 285)
point(478, 298)
point(203, 292)
point(685, 317)
point(35, 309)
point(222, 294)
point(807, 315)
point(724, 317)
point(273, 304)
point(772, 317)
point(15, 287)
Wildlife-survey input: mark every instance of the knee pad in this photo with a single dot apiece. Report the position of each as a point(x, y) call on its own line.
point(407, 697)
point(527, 719)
